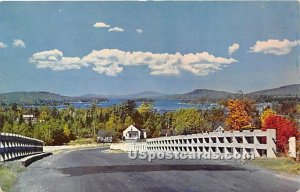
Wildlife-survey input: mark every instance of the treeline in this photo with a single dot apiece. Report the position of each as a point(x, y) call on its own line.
point(258, 99)
point(58, 126)
point(43, 99)
point(277, 99)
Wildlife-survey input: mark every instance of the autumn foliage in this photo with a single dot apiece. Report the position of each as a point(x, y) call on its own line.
point(284, 130)
point(266, 113)
point(239, 113)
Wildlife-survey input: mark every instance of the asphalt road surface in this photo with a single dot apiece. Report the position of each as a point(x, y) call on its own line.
point(94, 170)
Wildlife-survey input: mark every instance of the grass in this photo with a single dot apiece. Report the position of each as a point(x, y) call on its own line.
point(8, 175)
point(280, 164)
point(83, 141)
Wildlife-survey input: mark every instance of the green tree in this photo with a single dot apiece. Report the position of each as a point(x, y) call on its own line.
point(189, 121)
point(114, 124)
point(128, 121)
point(24, 129)
point(150, 126)
point(44, 116)
point(7, 128)
point(145, 108)
point(128, 108)
point(67, 131)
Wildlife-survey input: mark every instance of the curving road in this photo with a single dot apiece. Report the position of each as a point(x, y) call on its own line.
point(94, 170)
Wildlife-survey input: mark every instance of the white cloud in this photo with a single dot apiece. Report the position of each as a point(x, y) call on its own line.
point(112, 62)
point(233, 48)
point(19, 43)
point(275, 47)
point(101, 25)
point(55, 60)
point(2, 45)
point(203, 64)
point(140, 31)
point(116, 29)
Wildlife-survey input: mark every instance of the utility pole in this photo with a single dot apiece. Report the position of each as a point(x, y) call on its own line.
point(94, 128)
point(241, 91)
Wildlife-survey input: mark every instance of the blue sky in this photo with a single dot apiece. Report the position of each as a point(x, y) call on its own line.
point(75, 48)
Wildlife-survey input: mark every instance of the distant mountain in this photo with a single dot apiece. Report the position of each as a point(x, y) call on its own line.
point(204, 94)
point(46, 98)
point(284, 91)
point(141, 95)
point(40, 98)
point(210, 95)
point(30, 97)
point(91, 95)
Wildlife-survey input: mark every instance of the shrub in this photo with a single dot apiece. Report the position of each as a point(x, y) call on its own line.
point(284, 130)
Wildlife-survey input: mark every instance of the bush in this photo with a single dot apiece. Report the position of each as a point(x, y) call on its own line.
point(284, 130)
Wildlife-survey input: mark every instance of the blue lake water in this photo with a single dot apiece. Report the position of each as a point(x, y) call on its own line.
point(159, 105)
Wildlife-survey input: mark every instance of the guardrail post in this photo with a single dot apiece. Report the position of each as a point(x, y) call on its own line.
point(271, 145)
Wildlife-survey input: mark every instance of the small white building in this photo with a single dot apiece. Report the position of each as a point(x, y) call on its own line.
point(133, 133)
point(104, 136)
point(219, 129)
point(29, 118)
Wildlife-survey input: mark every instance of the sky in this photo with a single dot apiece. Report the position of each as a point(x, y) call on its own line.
point(77, 48)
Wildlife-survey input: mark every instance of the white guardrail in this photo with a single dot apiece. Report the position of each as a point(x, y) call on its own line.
point(257, 142)
point(13, 146)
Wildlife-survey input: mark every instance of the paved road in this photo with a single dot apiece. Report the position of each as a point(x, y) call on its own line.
point(94, 170)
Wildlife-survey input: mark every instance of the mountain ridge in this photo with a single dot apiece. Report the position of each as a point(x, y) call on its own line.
point(286, 90)
point(44, 96)
point(41, 97)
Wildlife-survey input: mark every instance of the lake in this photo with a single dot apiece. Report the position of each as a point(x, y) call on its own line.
point(159, 105)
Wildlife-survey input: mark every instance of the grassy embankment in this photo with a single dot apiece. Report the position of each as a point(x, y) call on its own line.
point(279, 165)
point(8, 175)
point(77, 144)
point(83, 141)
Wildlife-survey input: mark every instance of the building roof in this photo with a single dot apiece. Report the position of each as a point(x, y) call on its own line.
point(132, 127)
point(218, 124)
point(104, 133)
point(28, 116)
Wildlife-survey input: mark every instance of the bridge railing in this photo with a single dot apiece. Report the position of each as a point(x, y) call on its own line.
point(13, 146)
point(257, 142)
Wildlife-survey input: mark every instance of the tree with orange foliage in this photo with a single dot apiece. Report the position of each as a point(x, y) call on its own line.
point(240, 113)
point(284, 130)
point(266, 113)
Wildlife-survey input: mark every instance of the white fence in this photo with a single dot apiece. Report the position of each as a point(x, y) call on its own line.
point(257, 142)
point(13, 146)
